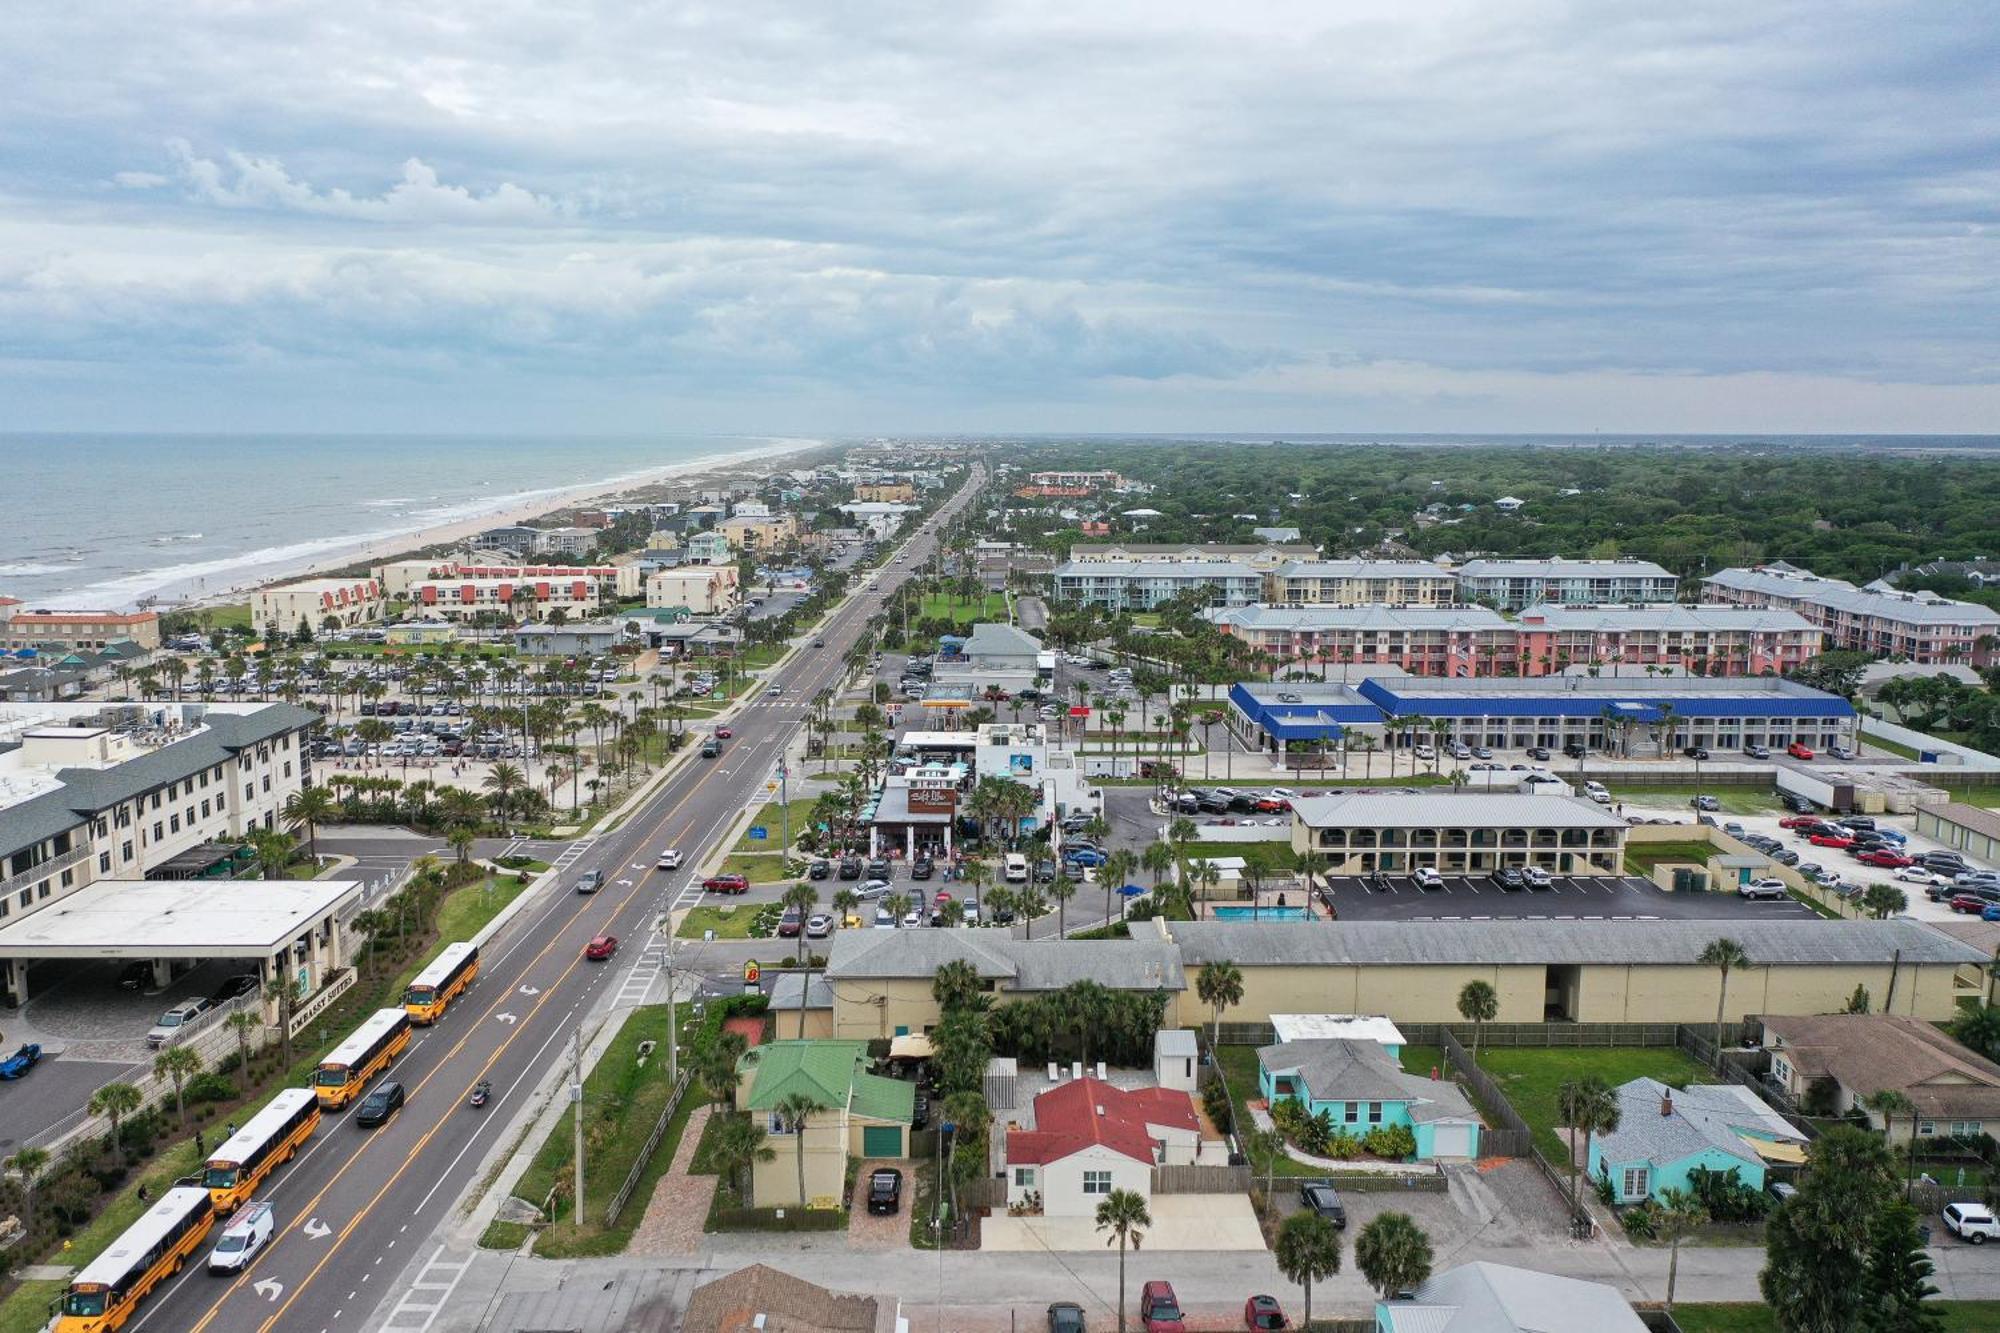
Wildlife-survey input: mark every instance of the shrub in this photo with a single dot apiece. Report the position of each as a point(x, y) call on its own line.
point(1394, 1142)
point(1642, 1222)
point(1215, 1100)
point(213, 1086)
point(1726, 1197)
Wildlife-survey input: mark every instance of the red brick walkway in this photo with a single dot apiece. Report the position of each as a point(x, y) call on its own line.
point(680, 1202)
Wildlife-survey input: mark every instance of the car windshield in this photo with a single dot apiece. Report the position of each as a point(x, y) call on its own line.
point(376, 1103)
point(230, 1243)
point(170, 1020)
point(1164, 1310)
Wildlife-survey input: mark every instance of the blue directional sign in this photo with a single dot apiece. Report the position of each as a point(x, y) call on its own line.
point(758, 833)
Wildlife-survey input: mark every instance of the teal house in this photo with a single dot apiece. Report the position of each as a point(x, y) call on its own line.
point(1361, 1086)
point(1665, 1133)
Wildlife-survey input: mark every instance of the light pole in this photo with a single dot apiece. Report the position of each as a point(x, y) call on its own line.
point(576, 1103)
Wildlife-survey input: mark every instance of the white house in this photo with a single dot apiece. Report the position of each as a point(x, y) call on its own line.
point(1091, 1138)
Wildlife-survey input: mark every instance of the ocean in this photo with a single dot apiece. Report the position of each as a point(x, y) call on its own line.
point(113, 521)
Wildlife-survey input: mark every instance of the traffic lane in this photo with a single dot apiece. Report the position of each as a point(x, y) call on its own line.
point(1475, 897)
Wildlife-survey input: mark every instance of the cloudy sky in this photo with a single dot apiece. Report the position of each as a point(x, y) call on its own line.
point(1099, 215)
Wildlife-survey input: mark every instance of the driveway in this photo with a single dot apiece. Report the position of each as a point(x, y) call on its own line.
point(870, 1231)
point(1180, 1222)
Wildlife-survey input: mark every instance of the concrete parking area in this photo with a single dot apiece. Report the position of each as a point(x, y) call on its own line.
point(1477, 897)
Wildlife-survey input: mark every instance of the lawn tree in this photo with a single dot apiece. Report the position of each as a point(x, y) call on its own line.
point(28, 1163)
point(1889, 1103)
point(800, 898)
point(795, 1111)
point(1308, 1251)
point(1900, 1295)
point(734, 1146)
point(1726, 956)
point(1586, 1106)
point(1478, 1004)
point(178, 1064)
point(1220, 987)
point(243, 1023)
point(1394, 1254)
point(1265, 1146)
point(115, 1101)
point(1681, 1215)
point(1123, 1214)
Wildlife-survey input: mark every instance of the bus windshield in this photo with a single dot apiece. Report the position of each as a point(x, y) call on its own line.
point(419, 995)
point(219, 1178)
point(335, 1077)
point(86, 1303)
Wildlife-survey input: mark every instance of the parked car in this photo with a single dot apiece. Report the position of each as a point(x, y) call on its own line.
point(1427, 878)
point(1840, 751)
point(379, 1105)
point(850, 867)
point(1830, 840)
point(1695, 751)
point(790, 924)
point(1539, 753)
point(1538, 878)
point(601, 948)
point(176, 1018)
point(24, 1058)
point(1882, 856)
point(1972, 903)
point(670, 859)
point(885, 1192)
point(245, 1237)
point(1763, 888)
point(1160, 1309)
point(1510, 877)
point(136, 975)
point(1066, 1317)
point(1756, 752)
point(726, 884)
point(1972, 1222)
point(1799, 821)
point(1597, 792)
point(819, 869)
point(1084, 856)
point(1321, 1197)
point(922, 868)
point(878, 868)
point(1482, 752)
point(1799, 750)
point(818, 926)
point(1264, 1312)
point(1706, 803)
point(1575, 749)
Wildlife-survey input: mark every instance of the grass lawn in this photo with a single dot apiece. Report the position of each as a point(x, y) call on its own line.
point(728, 923)
point(991, 608)
point(1239, 1066)
point(771, 817)
point(234, 615)
point(465, 910)
point(1269, 859)
point(1959, 1317)
point(1641, 857)
point(1733, 800)
point(1530, 1076)
point(767, 868)
point(622, 1099)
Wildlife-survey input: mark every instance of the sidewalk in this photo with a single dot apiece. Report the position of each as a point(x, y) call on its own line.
point(680, 1202)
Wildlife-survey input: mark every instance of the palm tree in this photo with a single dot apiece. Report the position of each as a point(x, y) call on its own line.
point(1220, 987)
point(897, 905)
point(284, 993)
point(501, 783)
point(1308, 1251)
point(115, 1101)
point(1393, 1253)
point(1114, 874)
point(1588, 1106)
point(734, 1146)
point(178, 1064)
point(1062, 888)
point(460, 840)
point(1680, 1214)
point(1477, 1005)
point(800, 898)
point(244, 1022)
point(1726, 955)
point(28, 1163)
point(956, 985)
point(1889, 1103)
point(1123, 1214)
point(1266, 1146)
point(274, 852)
point(795, 1111)
point(1158, 859)
point(308, 808)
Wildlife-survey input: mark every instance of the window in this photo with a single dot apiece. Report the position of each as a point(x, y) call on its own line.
point(1926, 1128)
point(1097, 1182)
point(1637, 1181)
point(1780, 1070)
point(1024, 1177)
point(1374, 1113)
point(1352, 1113)
point(777, 1124)
point(104, 863)
point(1964, 1129)
point(204, 809)
point(173, 822)
point(125, 850)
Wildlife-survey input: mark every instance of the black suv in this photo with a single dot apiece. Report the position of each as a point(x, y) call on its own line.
point(885, 1191)
point(819, 869)
point(1510, 877)
point(850, 867)
point(922, 868)
point(878, 868)
point(379, 1105)
point(1695, 751)
point(1321, 1197)
point(1575, 750)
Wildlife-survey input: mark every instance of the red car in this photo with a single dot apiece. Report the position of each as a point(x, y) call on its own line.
point(1969, 902)
point(1830, 840)
point(1799, 821)
point(724, 733)
point(943, 897)
point(1799, 750)
point(1264, 1312)
point(601, 948)
point(1883, 856)
point(1160, 1310)
point(726, 884)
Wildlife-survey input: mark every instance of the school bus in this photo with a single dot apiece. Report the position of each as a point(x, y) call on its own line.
point(345, 1072)
point(108, 1290)
point(254, 1151)
point(434, 988)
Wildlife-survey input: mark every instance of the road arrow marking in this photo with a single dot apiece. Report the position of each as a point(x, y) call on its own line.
point(270, 1289)
point(509, 1019)
point(316, 1228)
point(531, 990)
point(626, 882)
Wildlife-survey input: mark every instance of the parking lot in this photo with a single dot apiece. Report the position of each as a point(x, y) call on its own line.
point(1607, 898)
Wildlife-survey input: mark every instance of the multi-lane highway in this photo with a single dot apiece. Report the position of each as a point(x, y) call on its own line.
point(357, 1204)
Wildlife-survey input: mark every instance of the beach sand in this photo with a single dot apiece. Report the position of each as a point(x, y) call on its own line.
point(406, 545)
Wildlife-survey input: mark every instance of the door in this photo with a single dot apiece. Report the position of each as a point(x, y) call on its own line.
point(881, 1141)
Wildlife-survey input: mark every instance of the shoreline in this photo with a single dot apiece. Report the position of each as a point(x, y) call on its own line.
point(374, 549)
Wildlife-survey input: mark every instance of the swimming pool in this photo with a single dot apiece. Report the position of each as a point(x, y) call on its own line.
point(1258, 913)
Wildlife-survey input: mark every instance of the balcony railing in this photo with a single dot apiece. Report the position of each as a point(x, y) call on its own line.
point(53, 866)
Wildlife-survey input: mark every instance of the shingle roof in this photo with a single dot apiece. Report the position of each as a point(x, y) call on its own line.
point(1347, 943)
point(1866, 1053)
point(1029, 965)
point(1367, 616)
point(1000, 641)
point(761, 1297)
point(1973, 818)
point(1705, 1116)
point(1664, 616)
point(1340, 1069)
point(1917, 608)
point(1456, 809)
point(1483, 1297)
point(1362, 569)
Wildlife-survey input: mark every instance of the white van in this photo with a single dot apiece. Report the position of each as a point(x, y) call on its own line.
point(1016, 868)
point(248, 1234)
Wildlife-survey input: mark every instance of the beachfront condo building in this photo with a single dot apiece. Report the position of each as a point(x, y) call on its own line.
point(758, 533)
point(1510, 585)
point(74, 630)
point(1261, 556)
point(704, 590)
point(1360, 582)
point(1920, 627)
point(318, 604)
point(1423, 640)
point(400, 579)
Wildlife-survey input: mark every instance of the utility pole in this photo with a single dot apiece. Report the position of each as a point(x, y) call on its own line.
point(673, 1018)
point(576, 1104)
point(785, 805)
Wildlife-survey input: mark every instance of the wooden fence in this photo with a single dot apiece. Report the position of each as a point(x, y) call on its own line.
point(1492, 1100)
point(638, 1169)
point(1201, 1180)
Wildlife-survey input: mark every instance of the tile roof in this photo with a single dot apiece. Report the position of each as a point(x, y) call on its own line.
point(1088, 1113)
point(1342, 1069)
point(1704, 1116)
point(1348, 943)
point(1866, 1053)
point(764, 1298)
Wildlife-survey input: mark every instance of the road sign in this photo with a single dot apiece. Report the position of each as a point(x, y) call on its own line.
point(758, 833)
point(751, 972)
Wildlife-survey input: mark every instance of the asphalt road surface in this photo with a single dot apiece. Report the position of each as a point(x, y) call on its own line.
point(356, 1204)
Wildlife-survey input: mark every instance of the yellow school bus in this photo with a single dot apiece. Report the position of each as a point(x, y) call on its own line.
point(254, 1151)
point(345, 1072)
point(107, 1292)
point(441, 981)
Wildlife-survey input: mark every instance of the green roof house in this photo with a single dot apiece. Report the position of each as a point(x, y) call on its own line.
point(860, 1114)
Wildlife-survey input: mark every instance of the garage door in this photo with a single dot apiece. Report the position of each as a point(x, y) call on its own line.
point(881, 1141)
point(1451, 1141)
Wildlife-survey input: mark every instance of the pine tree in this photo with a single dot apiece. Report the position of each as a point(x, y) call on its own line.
point(1899, 1291)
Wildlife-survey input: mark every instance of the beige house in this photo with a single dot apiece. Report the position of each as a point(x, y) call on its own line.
point(705, 590)
point(350, 602)
point(21, 628)
point(859, 1115)
point(1954, 1092)
point(793, 1021)
point(759, 533)
point(890, 492)
point(1365, 833)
